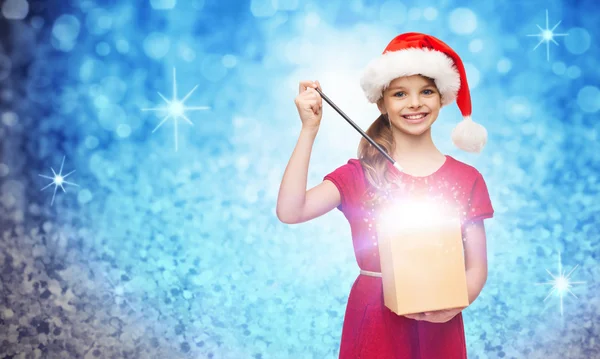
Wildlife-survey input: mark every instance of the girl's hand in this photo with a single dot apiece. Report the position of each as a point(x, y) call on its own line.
point(438, 316)
point(414, 316)
point(441, 316)
point(309, 104)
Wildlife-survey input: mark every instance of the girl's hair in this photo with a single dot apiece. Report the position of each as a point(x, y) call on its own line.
point(373, 162)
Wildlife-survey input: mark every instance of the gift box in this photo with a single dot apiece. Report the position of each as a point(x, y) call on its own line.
point(422, 258)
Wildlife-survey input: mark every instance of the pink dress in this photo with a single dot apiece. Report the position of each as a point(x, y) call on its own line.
point(370, 329)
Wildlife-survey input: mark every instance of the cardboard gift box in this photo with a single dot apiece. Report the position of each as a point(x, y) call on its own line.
point(422, 259)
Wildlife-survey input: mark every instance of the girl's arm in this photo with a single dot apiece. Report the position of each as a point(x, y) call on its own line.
point(294, 203)
point(475, 258)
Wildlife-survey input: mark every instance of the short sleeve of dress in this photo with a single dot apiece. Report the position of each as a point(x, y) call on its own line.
point(480, 205)
point(344, 178)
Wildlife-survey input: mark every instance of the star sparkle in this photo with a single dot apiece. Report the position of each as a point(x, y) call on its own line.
point(58, 180)
point(546, 35)
point(561, 283)
point(175, 109)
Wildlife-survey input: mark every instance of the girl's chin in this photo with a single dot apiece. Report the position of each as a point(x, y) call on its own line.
point(414, 130)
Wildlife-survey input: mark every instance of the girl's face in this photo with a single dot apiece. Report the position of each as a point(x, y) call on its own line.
point(412, 104)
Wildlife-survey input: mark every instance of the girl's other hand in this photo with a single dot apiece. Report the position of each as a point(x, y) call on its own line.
point(438, 316)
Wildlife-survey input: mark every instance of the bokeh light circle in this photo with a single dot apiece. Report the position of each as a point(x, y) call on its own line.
point(588, 99)
point(578, 41)
point(463, 21)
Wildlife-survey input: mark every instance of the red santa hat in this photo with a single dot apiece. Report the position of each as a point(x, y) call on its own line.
point(420, 54)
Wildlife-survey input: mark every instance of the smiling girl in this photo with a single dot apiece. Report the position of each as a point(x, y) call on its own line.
point(410, 82)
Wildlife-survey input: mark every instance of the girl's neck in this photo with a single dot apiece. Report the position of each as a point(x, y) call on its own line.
point(415, 149)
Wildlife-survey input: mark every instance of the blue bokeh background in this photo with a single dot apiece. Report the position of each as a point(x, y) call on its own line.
point(165, 252)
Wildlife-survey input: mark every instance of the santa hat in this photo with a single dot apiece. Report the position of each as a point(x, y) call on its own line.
point(420, 54)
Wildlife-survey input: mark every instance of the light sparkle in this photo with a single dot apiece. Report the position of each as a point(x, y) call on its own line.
point(546, 35)
point(176, 109)
point(561, 284)
point(58, 180)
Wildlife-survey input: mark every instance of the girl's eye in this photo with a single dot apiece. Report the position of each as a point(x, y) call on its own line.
point(399, 94)
point(428, 92)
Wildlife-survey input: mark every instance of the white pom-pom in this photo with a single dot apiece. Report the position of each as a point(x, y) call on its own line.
point(469, 136)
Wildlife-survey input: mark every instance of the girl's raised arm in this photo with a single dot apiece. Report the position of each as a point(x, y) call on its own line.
point(294, 203)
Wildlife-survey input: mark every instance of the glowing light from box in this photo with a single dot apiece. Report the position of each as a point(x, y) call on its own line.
point(414, 215)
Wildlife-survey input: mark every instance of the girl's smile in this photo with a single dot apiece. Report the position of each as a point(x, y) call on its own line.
point(416, 118)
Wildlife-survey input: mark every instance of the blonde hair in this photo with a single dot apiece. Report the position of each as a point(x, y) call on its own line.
point(373, 162)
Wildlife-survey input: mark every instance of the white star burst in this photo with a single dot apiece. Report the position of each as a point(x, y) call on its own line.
point(175, 108)
point(546, 36)
point(561, 283)
point(58, 180)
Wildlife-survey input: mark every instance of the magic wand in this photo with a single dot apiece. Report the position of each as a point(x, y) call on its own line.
point(363, 133)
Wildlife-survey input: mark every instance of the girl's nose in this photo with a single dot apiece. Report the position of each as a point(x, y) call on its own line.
point(415, 101)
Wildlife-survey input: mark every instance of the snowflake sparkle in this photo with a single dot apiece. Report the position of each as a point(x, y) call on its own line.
point(58, 180)
point(546, 36)
point(561, 283)
point(176, 109)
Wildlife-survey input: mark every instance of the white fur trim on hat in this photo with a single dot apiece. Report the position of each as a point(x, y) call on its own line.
point(427, 62)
